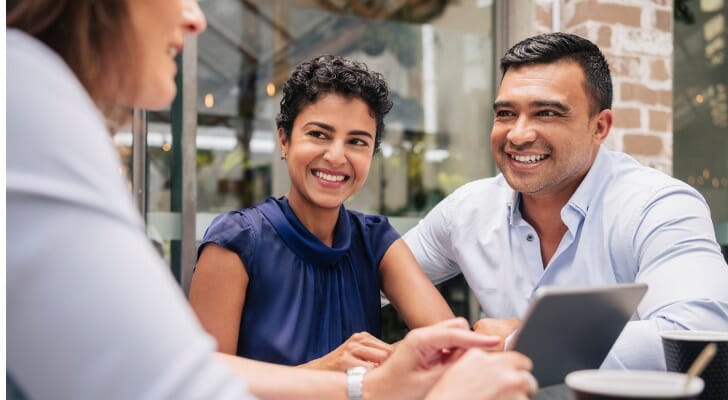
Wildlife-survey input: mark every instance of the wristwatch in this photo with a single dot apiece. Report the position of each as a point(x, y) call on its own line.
point(354, 378)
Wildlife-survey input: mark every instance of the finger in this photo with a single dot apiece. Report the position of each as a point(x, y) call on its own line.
point(531, 382)
point(369, 340)
point(370, 354)
point(436, 337)
point(513, 359)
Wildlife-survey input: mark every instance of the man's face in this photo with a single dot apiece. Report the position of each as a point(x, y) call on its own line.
point(543, 139)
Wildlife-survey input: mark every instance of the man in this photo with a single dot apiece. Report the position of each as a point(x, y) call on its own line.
point(567, 211)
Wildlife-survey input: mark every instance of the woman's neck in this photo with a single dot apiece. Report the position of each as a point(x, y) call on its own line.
point(319, 221)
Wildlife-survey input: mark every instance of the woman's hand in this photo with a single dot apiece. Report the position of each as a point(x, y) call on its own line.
point(361, 349)
point(487, 376)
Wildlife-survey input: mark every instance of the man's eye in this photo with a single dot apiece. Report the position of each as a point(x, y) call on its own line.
point(548, 113)
point(504, 113)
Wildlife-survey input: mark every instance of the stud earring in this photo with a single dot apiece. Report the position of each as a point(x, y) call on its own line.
point(283, 156)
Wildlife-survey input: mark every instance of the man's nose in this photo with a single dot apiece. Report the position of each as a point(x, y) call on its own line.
point(522, 132)
point(193, 20)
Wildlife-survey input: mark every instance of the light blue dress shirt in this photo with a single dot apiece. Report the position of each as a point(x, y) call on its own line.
point(626, 223)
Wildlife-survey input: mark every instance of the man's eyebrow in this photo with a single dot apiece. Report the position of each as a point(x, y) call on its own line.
point(499, 104)
point(535, 104)
point(552, 104)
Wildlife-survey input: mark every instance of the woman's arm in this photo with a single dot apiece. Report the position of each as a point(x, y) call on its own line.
point(217, 294)
point(406, 286)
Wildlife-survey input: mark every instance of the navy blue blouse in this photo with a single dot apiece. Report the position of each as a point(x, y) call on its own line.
point(304, 298)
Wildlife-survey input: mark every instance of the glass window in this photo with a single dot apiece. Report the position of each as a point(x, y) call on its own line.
point(437, 57)
point(700, 114)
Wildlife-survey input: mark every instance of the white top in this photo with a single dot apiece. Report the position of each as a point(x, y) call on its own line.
point(92, 311)
point(626, 223)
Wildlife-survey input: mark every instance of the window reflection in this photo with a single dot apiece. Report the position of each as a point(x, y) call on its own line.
point(436, 56)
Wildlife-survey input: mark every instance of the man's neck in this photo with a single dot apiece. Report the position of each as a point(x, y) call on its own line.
point(544, 214)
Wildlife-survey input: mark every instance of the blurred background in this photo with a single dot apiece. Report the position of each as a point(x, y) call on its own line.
point(215, 149)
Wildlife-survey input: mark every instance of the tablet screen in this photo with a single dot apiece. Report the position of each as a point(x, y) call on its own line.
point(571, 328)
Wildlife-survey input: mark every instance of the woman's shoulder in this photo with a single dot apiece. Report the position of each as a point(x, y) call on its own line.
point(232, 223)
point(370, 220)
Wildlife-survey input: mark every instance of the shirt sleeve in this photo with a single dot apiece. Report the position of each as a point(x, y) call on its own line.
point(381, 235)
point(687, 277)
point(233, 231)
point(429, 241)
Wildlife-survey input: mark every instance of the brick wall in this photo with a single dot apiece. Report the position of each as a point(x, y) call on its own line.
point(636, 37)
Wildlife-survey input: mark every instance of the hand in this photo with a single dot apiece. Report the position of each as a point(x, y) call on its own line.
point(498, 327)
point(487, 376)
point(421, 358)
point(361, 349)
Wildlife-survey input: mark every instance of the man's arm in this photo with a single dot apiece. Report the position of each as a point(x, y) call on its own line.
point(680, 260)
point(429, 242)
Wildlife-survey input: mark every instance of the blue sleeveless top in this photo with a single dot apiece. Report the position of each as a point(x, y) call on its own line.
point(304, 298)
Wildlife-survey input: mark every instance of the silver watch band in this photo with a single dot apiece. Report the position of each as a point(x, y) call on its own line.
point(354, 378)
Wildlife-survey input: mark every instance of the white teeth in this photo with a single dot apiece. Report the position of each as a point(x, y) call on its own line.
point(529, 159)
point(327, 177)
point(172, 51)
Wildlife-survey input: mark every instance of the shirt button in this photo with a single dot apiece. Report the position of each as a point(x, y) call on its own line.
point(529, 237)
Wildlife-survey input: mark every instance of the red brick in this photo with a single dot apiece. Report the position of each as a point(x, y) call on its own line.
point(663, 20)
point(659, 70)
point(660, 121)
point(643, 94)
point(543, 15)
point(624, 66)
point(604, 37)
point(627, 117)
point(646, 145)
point(607, 13)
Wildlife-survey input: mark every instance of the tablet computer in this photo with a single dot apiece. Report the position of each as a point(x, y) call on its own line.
point(571, 328)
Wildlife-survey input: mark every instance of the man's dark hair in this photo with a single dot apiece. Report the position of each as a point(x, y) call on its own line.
point(339, 75)
point(551, 47)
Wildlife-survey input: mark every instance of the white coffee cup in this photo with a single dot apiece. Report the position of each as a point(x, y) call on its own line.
point(616, 384)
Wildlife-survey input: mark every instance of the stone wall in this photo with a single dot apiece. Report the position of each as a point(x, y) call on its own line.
point(636, 37)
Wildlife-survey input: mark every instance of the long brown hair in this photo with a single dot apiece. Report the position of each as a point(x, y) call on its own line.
point(91, 36)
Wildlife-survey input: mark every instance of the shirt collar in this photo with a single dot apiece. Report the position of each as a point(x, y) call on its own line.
point(582, 197)
point(591, 184)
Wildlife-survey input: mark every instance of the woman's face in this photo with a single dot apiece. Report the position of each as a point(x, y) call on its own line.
point(159, 27)
point(329, 152)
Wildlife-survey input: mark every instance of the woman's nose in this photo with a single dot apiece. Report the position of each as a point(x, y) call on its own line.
point(335, 154)
point(193, 20)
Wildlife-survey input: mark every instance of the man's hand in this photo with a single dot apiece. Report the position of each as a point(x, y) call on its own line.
point(421, 358)
point(497, 327)
point(361, 349)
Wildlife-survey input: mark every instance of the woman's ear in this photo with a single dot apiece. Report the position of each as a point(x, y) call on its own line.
point(283, 142)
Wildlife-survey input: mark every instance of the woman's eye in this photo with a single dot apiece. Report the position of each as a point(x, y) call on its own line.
point(317, 134)
point(359, 142)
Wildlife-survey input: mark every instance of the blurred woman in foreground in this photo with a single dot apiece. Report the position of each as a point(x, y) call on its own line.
point(92, 311)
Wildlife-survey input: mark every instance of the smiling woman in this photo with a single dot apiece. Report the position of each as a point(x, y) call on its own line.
point(297, 279)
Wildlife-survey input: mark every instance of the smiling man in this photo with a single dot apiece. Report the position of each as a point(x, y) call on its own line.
point(567, 211)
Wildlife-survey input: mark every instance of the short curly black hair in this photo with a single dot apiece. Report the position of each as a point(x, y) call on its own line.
point(552, 47)
point(334, 74)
